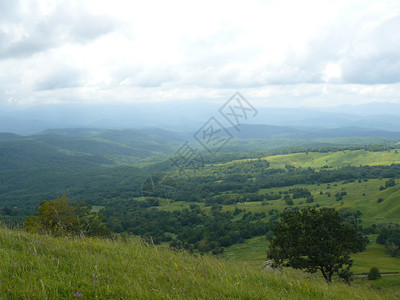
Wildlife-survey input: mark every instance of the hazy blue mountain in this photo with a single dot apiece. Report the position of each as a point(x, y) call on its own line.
point(250, 131)
point(189, 116)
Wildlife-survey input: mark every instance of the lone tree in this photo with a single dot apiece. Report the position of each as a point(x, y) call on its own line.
point(315, 240)
point(60, 217)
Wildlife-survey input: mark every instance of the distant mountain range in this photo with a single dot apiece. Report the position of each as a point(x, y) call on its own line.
point(189, 116)
point(248, 131)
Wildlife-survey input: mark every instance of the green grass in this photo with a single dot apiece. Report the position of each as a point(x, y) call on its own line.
point(42, 267)
point(375, 256)
point(253, 251)
point(388, 283)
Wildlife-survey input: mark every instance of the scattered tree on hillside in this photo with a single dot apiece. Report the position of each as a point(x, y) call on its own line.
point(392, 248)
point(316, 239)
point(389, 183)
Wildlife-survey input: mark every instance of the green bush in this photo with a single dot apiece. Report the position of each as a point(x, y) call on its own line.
point(374, 274)
point(289, 201)
point(59, 218)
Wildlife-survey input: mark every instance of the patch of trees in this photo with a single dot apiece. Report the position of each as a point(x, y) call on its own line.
point(210, 185)
point(191, 228)
point(390, 237)
point(310, 176)
point(339, 195)
point(350, 214)
point(388, 184)
point(272, 196)
point(300, 193)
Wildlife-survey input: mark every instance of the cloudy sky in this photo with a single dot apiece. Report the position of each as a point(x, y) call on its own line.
point(277, 53)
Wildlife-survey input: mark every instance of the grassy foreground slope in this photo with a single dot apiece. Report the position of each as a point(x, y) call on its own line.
point(42, 267)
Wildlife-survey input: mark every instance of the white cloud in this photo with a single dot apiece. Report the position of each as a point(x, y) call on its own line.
point(283, 52)
point(332, 72)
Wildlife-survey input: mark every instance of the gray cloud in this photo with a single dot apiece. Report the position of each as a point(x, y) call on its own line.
point(8, 10)
point(67, 23)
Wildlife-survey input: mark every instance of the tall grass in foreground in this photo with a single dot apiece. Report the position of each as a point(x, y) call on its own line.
point(42, 267)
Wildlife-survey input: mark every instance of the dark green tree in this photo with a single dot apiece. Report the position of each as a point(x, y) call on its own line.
point(316, 239)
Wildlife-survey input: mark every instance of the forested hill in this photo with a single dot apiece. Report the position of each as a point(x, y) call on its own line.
point(99, 147)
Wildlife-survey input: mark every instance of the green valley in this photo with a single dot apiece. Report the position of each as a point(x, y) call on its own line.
point(225, 208)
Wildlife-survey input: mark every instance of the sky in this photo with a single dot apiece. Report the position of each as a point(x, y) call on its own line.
point(276, 53)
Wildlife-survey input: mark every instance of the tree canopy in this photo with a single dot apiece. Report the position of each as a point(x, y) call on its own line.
point(316, 239)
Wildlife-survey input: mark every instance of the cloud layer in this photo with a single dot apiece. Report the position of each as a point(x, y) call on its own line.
point(286, 53)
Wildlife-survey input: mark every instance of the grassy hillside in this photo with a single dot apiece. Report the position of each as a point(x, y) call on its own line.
point(42, 267)
point(334, 159)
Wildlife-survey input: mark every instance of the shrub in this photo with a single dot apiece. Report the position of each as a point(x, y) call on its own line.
point(289, 201)
point(373, 274)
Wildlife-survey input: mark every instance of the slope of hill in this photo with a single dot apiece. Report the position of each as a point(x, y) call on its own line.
point(42, 267)
point(88, 148)
point(25, 154)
